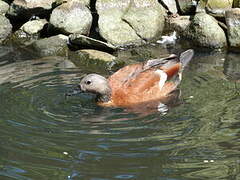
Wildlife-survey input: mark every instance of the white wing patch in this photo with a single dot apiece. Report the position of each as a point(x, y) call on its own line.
point(162, 108)
point(163, 78)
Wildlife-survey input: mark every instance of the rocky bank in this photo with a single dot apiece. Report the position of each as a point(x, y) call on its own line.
point(63, 27)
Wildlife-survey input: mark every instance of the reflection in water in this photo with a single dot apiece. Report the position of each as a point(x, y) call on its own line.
point(47, 136)
point(232, 70)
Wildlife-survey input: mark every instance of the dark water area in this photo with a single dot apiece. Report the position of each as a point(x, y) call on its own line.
point(45, 135)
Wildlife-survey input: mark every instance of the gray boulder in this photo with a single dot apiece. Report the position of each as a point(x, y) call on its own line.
point(125, 22)
point(204, 31)
point(3, 7)
point(34, 26)
point(236, 3)
point(111, 26)
point(5, 28)
point(178, 24)
point(52, 46)
point(84, 2)
point(103, 5)
point(95, 60)
point(233, 24)
point(84, 41)
point(146, 17)
point(72, 17)
point(24, 9)
point(187, 6)
point(133, 55)
point(30, 31)
point(215, 8)
point(171, 5)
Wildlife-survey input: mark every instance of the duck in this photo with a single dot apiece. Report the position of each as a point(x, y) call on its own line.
point(148, 84)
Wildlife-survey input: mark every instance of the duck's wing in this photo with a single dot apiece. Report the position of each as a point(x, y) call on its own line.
point(171, 63)
point(130, 72)
point(161, 62)
point(158, 71)
point(146, 81)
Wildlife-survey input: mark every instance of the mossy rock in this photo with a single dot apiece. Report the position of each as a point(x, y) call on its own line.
point(204, 31)
point(233, 24)
point(95, 61)
point(3, 7)
point(5, 29)
point(52, 46)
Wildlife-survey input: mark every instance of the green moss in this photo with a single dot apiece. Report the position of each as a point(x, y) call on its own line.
point(95, 61)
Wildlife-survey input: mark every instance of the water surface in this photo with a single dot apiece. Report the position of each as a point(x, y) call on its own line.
point(45, 135)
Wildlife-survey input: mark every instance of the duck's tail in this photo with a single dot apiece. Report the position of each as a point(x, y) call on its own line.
point(171, 66)
point(174, 71)
point(186, 57)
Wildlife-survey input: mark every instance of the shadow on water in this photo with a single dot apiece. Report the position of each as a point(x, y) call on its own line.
point(46, 136)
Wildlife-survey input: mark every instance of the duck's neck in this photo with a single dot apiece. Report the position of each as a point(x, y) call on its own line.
point(104, 95)
point(103, 98)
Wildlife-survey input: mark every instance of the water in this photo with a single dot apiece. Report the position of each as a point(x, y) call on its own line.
point(45, 135)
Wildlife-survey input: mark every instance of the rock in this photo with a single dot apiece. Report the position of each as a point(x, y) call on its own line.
point(146, 17)
point(52, 46)
point(215, 8)
point(219, 4)
point(201, 6)
point(187, 6)
point(34, 26)
point(233, 24)
point(111, 26)
point(142, 53)
point(115, 31)
point(5, 28)
point(30, 31)
point(171, 5)
point(84, 2)
point(104, 5)
point(122, 22)
point(3, 7)
point(178, 24)
point(66, 64)
point(72, 17)
point(236, 3)
point(95, 60)
point(204, 31)
point(25, 9)
point(84, 41)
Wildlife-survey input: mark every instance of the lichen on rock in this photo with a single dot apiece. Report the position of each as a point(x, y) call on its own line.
point(5, 28)
point(204, 31)
point(72, 17)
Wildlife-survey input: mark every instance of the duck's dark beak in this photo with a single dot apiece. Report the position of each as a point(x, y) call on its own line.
point(76, 90)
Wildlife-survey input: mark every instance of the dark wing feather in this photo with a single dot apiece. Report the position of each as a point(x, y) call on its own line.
point(154, 63)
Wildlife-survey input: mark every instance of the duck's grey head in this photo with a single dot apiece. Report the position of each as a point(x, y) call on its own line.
point(96, 84)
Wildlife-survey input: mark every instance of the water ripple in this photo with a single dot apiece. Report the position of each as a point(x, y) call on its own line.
point(45, 135)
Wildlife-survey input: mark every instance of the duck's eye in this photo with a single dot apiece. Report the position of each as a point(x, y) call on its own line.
point(88, 82)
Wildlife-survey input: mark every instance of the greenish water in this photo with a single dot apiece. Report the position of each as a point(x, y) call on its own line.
point(47, 136)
